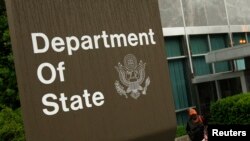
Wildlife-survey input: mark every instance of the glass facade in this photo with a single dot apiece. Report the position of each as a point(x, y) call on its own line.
point(178, 74)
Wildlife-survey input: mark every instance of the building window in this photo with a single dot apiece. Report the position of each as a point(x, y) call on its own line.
point(238, 39)
point(199, 48)
point(173, 46)
point(220, 41)
point(177, 62)
point(248, 37)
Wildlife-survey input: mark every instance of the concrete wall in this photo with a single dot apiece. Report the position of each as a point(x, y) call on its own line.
point(178, 13)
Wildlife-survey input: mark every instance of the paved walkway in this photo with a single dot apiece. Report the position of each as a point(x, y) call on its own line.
point(182, 138)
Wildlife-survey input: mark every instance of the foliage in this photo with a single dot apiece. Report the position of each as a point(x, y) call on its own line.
point(231, 110)
point(180, 131)
point(11, 125)
point(8, 85)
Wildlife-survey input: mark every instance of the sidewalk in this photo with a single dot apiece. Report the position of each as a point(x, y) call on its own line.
point(182, 138)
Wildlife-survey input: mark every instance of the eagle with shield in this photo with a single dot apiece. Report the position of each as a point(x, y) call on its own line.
point(132, 76)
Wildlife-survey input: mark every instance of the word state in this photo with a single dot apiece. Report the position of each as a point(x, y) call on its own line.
point(72, 103)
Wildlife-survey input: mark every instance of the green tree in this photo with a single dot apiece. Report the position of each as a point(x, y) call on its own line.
point(8, 85)
point(11, 125)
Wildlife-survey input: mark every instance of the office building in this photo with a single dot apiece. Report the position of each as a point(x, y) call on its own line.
point(195, 29)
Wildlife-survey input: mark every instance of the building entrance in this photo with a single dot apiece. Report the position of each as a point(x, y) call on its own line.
point(207, 94)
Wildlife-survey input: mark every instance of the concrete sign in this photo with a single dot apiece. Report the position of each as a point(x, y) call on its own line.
point(91, 70)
